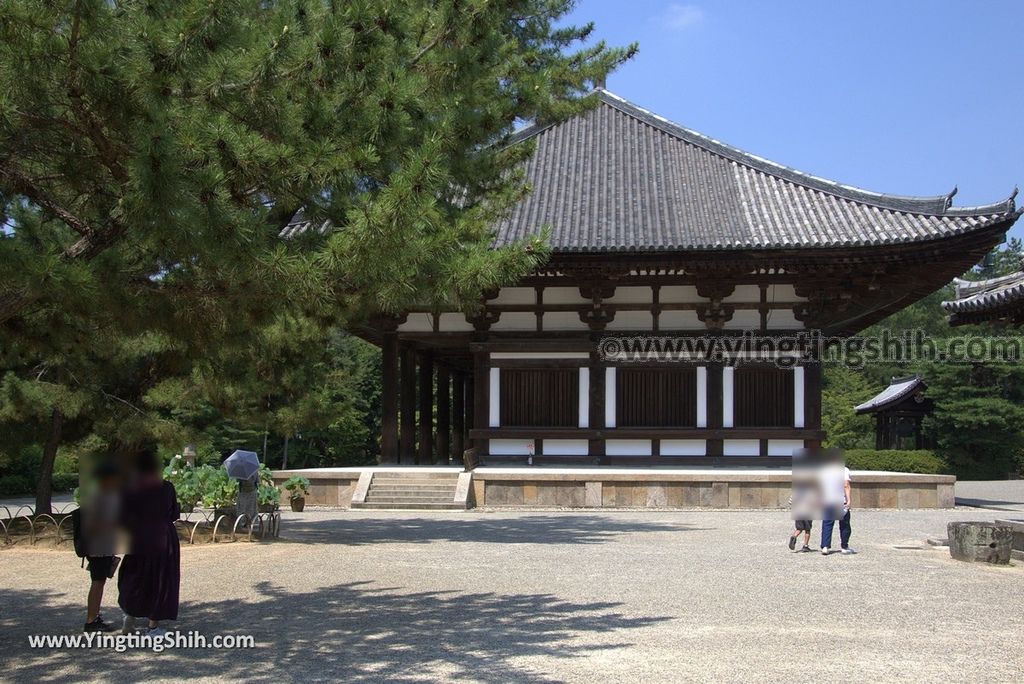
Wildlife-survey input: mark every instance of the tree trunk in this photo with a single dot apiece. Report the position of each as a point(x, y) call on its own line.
point(284, 460)
point(44, 485)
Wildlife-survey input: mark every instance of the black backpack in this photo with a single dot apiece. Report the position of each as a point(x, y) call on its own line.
point(76, 533)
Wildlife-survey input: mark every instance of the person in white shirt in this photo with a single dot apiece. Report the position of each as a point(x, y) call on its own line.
point(834, 480)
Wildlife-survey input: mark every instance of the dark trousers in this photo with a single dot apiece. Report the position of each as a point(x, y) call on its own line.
point(844, 528)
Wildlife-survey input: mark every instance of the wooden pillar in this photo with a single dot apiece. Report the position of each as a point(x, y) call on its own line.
point(879, 431)
point(597, 404)
point(389, 398)
point(426, 388)
point(715, 447)
point(444, 412)
point(812, 400)
point(469, 408)
point(458, 417)
point(481, 398)
point(407, 407)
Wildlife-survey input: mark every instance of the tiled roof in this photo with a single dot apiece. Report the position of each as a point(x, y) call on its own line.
point(899, 389)
point(618, 178)
point(990, 295)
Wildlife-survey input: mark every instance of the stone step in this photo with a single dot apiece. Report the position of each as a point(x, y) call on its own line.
point(374, 487)
point(431, 506)
point(415, 480)
point(412, 474)
point(411, 497)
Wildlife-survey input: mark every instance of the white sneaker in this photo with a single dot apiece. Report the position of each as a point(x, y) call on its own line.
point(848, 552)
point(156, 632)
point(128, 626)
point(824, 551)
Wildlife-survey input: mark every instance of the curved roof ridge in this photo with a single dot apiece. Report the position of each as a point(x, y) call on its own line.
point(898, 389)
point(966, 287)
point(939, 205)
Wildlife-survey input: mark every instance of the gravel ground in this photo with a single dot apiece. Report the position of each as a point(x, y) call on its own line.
point(552, 596)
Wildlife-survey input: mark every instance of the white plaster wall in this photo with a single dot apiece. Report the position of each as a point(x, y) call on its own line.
point(516, 320)
point(683, 447)
point(741, 447)
point(632, 295)
point(609, 397)
point(679, 294)
point(627, 447)
point(798, 396)
point(566, 447)
point(455, 322)
point(418, 322)
point(632, 320)
point(745, 293)
point(540, 355)
point(584, 414)
point(783, 293)
point(563, 295)
point(679, 320)
point(702, 396)
point(744, 319)
point(495, 397)
point(563, 320)
point(510, 447)
point(784, 447)
point(783, 319)
point(727, 398)
point(515, 295)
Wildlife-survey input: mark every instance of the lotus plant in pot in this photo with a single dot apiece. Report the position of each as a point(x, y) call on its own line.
point(269, 497)
point(298, 488)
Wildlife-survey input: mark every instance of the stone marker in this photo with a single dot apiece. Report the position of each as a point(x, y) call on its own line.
point(980, 542)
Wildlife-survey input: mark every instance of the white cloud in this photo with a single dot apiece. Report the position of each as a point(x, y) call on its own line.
point(680, 17)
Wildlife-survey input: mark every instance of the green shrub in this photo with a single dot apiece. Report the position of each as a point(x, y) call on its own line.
point(268, 494)
point(923, 461)
point(297, 486)
point(16, 485)
point(64, 482)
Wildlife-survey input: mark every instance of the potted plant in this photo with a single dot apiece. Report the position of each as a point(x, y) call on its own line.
point(220, 493)
point(298, 488)
point(269, 497)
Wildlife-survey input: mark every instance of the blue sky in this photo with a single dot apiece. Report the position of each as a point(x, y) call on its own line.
point(908, 97)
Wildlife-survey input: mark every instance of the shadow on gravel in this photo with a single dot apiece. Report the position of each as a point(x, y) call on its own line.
point(527, 529)
point(356, 632)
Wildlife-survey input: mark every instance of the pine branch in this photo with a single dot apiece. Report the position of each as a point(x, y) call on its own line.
point(22, 185)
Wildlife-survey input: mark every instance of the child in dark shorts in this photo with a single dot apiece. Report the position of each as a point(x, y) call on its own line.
point(803, 526)
point(99, 520)
point(800, 501)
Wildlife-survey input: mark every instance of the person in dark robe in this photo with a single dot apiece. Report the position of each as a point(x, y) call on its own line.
point(150, 576)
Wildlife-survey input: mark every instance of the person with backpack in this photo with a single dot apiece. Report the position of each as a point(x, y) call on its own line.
point(95, 526)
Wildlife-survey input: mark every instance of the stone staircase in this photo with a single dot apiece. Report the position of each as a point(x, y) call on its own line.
point(410, 489)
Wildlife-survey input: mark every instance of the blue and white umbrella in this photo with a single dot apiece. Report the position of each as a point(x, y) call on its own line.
point(242, 465)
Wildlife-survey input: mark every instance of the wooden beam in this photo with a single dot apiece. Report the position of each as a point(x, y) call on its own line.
point(425, 449)
point(812, 399)
point(596, 447)
point(714, 446)
point(481, 397)
point(458, 417)
point(389, 398)
point(407, 406)
point(443, 415)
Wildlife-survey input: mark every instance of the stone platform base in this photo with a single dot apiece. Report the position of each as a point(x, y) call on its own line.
point(644, 487)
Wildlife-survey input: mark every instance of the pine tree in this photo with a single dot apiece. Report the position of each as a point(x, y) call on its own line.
point(150, 154)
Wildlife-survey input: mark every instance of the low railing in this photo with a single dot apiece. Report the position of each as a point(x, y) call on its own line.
point(264, 525)
point(37, 524)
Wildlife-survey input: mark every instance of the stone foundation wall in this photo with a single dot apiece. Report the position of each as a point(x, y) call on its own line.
point(592, 488)
point(325, 488)
point(682, 493)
